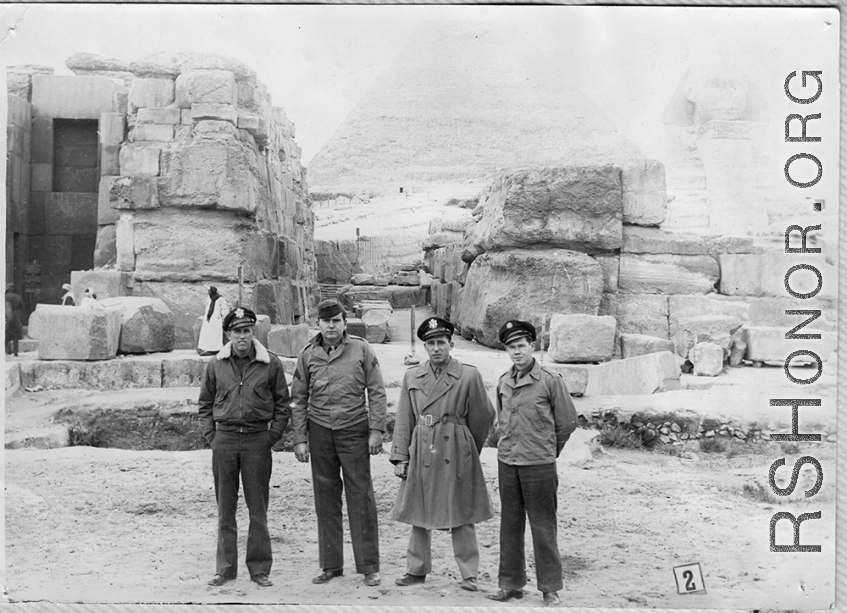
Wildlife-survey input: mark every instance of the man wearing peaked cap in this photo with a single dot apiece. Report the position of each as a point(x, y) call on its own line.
point(332, 420)
point(529, 394)
point(443, 417)
point(243, 412)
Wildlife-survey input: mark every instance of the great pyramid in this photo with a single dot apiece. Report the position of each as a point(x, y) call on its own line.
point(460, 102)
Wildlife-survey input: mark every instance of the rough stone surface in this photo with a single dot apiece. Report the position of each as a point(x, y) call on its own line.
point(184, 372)
point(654, 240)
point(210, 111)
point(105, 283)
point(74, 333)
point(406, 278)
point(206, 86)
point(707, 359)
point(397, 296)
point(363, 306)
point(645, 200)
point(125, 243)
point(105, 250)
point(764, 275)
point(644, 374)
point(123, 373)
point(667, 274)
point(151, 93)
point(147, 324)
point(575, 376)
point(641, 344)
point(768, 344)
point(362, 278)
point(356, 327)
point(376, 325)
point(125, 193)
point(169, 116)
point(610, 265)
point(527, 285)
point(139, 160)
point(581, 338)
point(156, 132)
point(575, 208)
point(638, 314)
point(715, 329)
point(288, 341)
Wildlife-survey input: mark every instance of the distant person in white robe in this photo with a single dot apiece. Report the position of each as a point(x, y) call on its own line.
point(89, 300)
point(211, 332)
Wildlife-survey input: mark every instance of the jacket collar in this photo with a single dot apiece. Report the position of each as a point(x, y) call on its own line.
point(453, 368)
point(513, 376)
point(317, 341)
point(262, 354)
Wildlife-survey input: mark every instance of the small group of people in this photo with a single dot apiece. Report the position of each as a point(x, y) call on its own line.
point(337, 409)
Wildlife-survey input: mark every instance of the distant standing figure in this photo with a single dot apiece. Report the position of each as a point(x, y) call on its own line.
point(443, 418)
point(211, 332)
point(535, 418)
point(14, 319)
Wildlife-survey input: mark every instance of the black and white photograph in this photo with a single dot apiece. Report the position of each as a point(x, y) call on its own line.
point(428, 306)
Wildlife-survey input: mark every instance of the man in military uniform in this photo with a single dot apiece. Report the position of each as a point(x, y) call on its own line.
point(331, 419)
point(243, 412)
point(443, 418)
point(535, 419)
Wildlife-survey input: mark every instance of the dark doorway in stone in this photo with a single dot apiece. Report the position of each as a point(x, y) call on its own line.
point(75, 166)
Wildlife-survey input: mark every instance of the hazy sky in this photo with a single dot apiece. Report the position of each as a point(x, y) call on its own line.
point(318, 61)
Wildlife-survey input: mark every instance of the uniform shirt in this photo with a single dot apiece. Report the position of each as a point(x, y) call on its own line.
point(329, 388)
point(535, 416)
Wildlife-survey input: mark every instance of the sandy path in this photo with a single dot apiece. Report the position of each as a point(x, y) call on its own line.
point(108, 525)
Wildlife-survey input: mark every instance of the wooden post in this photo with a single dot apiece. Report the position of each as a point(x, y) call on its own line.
point(543, 332)
point(412, 312)
point(240, 282)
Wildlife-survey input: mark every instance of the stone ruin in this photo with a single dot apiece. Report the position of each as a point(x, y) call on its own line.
point(581, 248)
point(155, 179)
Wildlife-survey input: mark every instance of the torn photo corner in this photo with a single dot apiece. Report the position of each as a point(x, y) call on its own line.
point(653, 191)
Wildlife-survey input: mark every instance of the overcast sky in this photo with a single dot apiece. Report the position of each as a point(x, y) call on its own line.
point(318, 61)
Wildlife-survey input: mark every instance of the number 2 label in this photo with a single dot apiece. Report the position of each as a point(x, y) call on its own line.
point(689, 578)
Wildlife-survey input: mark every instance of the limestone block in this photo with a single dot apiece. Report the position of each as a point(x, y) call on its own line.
point(637, 239)
point(41, 143)
point(581, 338)
point(247, 121)
point(151, 93)
point(105, 213)
point(208, 111)
point(406, 278)
point(41, 177)
point(152, 132)
point(123, 373)
point(362, 278)
point(643, 374)
point(455, 312)
point(110, 160)
point(764, 275)
point(752, 310)
point(527, 285)
point(356, 327)
point(645, 199)
point(185, 117)
point(641, 344)
point(721, 244)
point(105, 249)
point(640, 314)
point(363, 306)
point(125, 243)
point(147, 324)
point(104, 283)
point(575, 208)
point(610, 265)
point(13, 376)
point(184, 371)
point(170, 116)
point(74, 333)
point(768, 344)
point(707, 359)
point(288, 341)
point(376, 325)
point(667, 274)
point(575, 376)
point(139, 160)
point(130, 193)
point(112, 128)
point(715, 329)
point(206, 87)
point(262, 328)
point(73, 97)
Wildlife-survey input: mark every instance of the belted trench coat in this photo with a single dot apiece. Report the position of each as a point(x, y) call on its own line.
point(440, 428)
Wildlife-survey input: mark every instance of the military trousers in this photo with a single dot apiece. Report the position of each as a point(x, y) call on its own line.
point(465, 550)
point(529, 491)
point(337, 453)
point(245, 458)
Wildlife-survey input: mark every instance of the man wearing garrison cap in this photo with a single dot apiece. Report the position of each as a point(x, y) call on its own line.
point(243, 412)
point(443, 418)
point(535, 417)
point(332, 419)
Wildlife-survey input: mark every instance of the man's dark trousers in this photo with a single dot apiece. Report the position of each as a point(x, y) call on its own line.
point(529, 490)
point(247, 455)
point(337, 452)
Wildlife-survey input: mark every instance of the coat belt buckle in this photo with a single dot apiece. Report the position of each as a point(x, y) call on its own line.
point(428, 420)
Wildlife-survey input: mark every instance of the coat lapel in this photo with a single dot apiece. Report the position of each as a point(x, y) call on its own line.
point(436, 388)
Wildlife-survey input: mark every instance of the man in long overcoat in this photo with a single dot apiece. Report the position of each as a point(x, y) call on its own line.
point(443, 418)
